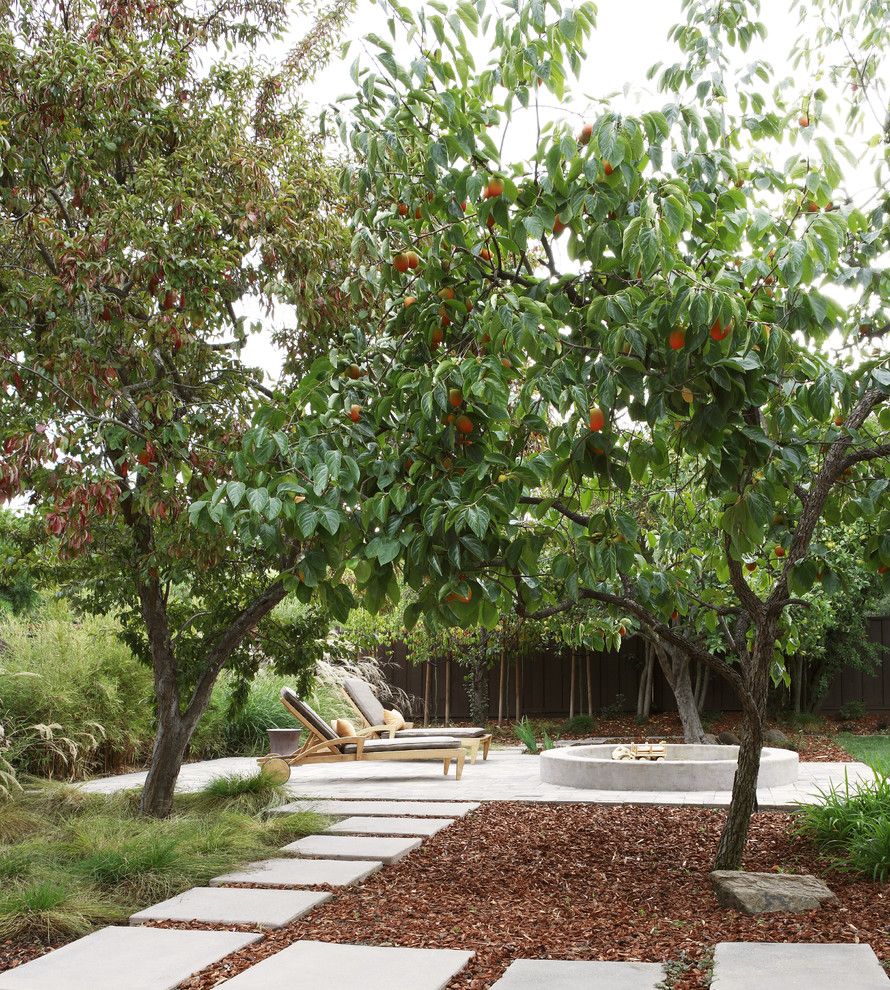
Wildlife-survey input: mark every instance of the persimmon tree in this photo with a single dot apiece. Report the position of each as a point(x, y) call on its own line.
point(153, 193)
point(579, 313)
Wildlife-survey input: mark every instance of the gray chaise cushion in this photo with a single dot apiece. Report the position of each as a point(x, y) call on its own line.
point(313, 718)
point(363, 697)
point(405, 745)
point(452, 730)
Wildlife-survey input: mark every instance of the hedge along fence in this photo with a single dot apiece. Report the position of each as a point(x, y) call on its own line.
point(603, 682)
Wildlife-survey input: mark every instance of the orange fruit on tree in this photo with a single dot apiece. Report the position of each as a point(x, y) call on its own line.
point(687, 394)
point(838, 420)
point(354, 372)
point(779, 551)
point(464, 424)
point(751, 566)
point(607, 168)
point(403, 209)
point(719, 332)
point(494, 188)
point(677, 339)
point(409, 301)
point(586, 134)
point(485, 254)
point(444, 318)
point(401, 263)
point(413, 260)
point(437, 337)
point(803, 120)
point(446, 293)
point(597, 419)
point(355, 412)
point(490, 222)
point(558, 226)
point(455, 397)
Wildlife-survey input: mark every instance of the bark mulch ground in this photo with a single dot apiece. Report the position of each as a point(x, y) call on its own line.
point(578, 882)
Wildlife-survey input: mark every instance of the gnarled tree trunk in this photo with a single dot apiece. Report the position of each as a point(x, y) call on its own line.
point(675, 667)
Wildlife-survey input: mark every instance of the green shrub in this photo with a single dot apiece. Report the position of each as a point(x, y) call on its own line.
point(852, 826)
point(73, 698)
point(851, 710)
point(525, 733)
point(615, 709)
point(577, 725)
point(245, 792)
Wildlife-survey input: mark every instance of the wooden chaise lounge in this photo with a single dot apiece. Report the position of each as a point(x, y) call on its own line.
point(366, 703)
point(323, 745)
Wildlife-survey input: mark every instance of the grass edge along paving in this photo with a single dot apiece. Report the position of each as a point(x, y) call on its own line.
point(70, 861)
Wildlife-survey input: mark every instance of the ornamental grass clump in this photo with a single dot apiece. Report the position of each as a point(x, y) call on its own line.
point(852, 826)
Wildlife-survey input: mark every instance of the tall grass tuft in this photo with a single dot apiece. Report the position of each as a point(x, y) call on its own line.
point(50, 909)
point(251, 793)
point(852, 826)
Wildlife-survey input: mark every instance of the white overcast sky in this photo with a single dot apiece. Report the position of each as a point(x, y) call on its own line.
point(630, 36)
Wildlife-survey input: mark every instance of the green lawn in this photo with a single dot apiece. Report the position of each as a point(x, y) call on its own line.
point(873, 750)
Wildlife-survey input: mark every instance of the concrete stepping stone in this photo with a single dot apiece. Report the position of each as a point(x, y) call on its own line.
point(797, 966)
point(371, 967)
point(382, 849)
point(133, 958)
point(234, 906)
point(558, 974)
point(369, 825)
point(432, 809)
point(292, 872)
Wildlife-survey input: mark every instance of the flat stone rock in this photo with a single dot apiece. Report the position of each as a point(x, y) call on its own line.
point(384, 850)
point(427, 809)
point(370, 967)
point(796, 966)
point(759, 893)
point(234, 906)
point(556, 974)
point(119, 958)
point(370, 825)
point(292, 872)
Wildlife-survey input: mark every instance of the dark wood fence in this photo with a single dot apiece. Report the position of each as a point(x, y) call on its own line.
point(603, 680)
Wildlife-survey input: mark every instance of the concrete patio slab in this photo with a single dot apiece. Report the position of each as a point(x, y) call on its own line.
point(133, 958)
point(426, 809)
point(507, 775)
point(293, 872)
point(234, 906)
point(797, 966)
point(385, 850)
point(330, 964)
point(369, 825)
point(557, 974)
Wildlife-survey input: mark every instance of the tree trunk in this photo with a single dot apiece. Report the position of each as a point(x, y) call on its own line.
point(501, 689)
point(167, 755)
point(517, 687)
point(702, 694)
point(675, 667)
point(744, 786)
point(426, 692)
point(447, 691)
point(589, 687)
point(572, 686)
point(797, 685)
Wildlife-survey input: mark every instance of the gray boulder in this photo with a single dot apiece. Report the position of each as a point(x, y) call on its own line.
point(727, 738)
point(709, 739)
point(760, 893)
point(776, 737)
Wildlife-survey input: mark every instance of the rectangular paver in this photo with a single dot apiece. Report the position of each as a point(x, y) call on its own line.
point(370, 825)
point(426, 809)
point(383, 849)
point(557, 974)
point(126, 959)
point(370, 967)
point(234, 906)
point(797, 966)
point(293, 872)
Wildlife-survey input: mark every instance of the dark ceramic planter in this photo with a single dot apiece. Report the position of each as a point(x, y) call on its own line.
point(283, 742)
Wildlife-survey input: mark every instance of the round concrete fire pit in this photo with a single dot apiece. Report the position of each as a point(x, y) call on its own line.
point(685, 768)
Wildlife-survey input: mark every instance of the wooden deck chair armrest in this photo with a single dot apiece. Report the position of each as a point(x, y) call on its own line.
point(327, 745)
point(374, 731)
point(357, 741)
point(408, 725)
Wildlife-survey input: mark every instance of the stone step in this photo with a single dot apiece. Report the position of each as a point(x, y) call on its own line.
point(353, 847)
point(294, 872)
point(797, 966)
point(369, 825)
point(234, 906)
point(427, 809)
point(558, 974)
point(369, 967)
point(133, 958)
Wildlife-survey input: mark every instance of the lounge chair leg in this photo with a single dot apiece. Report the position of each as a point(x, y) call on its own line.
point(475, 751)
point(460, 765)
point(486, 743)
point(447, 762)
